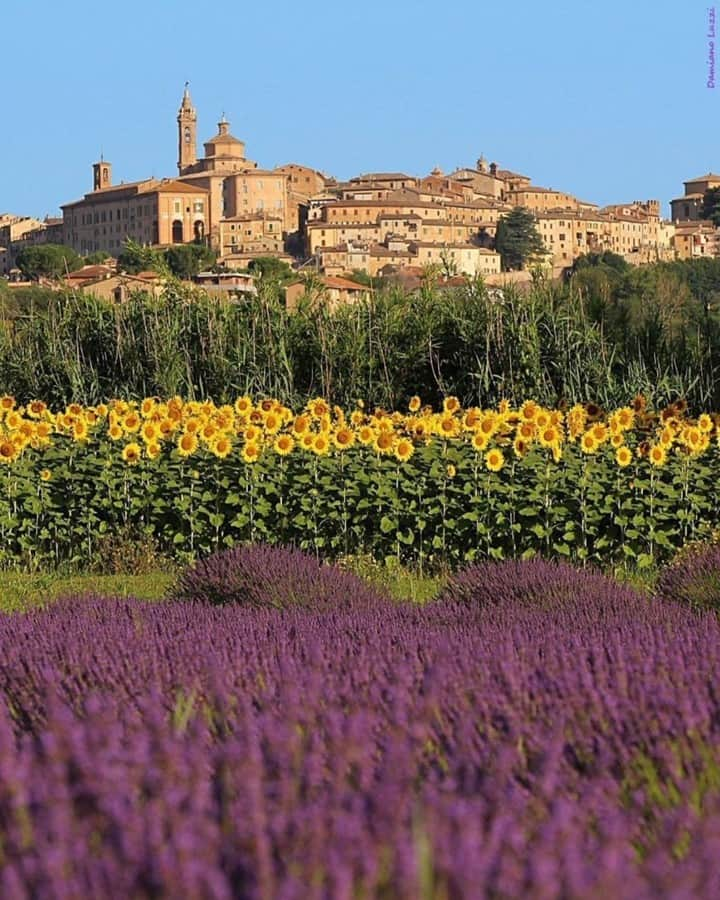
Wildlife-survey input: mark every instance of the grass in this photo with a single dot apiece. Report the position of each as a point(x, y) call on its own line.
point(22, 591)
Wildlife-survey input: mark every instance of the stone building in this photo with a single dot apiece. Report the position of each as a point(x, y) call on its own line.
point(688, 208)
point(152, 211)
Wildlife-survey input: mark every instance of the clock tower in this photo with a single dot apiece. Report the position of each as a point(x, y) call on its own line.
point(187, 133)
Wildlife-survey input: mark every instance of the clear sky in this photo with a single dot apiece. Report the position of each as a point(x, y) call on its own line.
point(606, 99)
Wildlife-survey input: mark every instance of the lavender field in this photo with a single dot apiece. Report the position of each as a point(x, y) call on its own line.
point(533, 732)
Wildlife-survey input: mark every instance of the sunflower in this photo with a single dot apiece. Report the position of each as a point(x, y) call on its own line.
point(307, 440)
point(147, 406)
point(284, 444)
point(451, 405)
point(301, 425)
point(187, 444)
point(251, 452)
point(472, 418)
point(520, 447)
point(528, 410)
point(45, 475)
point(357, 418)
point(36, 408)
point(404, 450)
point(385, 442)
point(131, 422)
point(414, 404)
point(131, 453)
point(115, 432)
point(480, 440)
point(318, 408)
point(549, 436)
point(366, 435)
point(80, 431)
point(273, 422)
point(451, 471)
point(321, 444)
point(494, 460)
point(705, 423)
point(153, 451)
point(623, 456)
point(588, 442)
point(221, 447)
point(658, 455)
point(448, 426)
point(344, 438)
point(149, 432)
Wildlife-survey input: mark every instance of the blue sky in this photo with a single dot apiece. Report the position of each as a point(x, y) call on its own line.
point(607, 100)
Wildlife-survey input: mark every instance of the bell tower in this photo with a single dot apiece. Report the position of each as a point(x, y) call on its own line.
point(187, 133)
point(102, 174)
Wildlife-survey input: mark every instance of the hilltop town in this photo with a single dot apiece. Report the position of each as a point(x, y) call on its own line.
point(378, 223)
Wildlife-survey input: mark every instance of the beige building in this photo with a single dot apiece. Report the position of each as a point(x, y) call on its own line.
point(697, 239)
point(256, 233)
point(150, 212)
point(688, 208)
point(334, 290)
point(104, 282)
point(236, 185)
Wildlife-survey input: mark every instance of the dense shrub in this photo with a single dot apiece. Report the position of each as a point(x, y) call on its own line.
point(537, 583)
point(694, 579)
point(272, 577)
point(186, 750)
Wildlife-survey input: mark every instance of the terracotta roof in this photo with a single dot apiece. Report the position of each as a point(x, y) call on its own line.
point(332, 281)
point(532, 189)
point(86, 272)
point(709, 177)
point(173, 186)
point(382, 176)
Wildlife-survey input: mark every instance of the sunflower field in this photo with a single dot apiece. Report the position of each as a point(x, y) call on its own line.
point(422, 486)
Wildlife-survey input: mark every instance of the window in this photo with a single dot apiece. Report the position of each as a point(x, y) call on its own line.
point(177, 207)
point(198, 206)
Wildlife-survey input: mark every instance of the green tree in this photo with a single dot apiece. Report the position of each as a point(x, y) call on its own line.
point(47, 261)
point(517, 239)
point(97, 258)
point(135, 258)
point(271, 269)
point(711, 206)
point(186, 260)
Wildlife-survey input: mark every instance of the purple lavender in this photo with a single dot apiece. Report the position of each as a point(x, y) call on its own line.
point(562, 747)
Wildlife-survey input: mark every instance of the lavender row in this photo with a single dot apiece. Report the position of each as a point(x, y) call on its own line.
point(487, 745)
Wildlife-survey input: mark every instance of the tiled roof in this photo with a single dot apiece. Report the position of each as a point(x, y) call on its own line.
point(709, 177)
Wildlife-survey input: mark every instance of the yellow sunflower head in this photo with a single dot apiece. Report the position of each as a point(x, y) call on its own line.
point(187, 444)
point(494, 460)
point(132, 453)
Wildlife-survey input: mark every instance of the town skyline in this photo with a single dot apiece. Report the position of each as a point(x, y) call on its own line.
point(559, 106)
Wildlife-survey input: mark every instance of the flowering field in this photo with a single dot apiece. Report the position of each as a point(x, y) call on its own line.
point(535, 732)
point(455, 484)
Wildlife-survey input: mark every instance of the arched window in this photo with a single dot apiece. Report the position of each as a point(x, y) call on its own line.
point(199, 230)
point(177, 232)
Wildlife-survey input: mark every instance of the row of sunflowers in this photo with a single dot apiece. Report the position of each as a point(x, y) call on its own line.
point(151, 427)
point(422, 485)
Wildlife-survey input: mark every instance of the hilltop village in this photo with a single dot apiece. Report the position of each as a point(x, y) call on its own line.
point(378, 223)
